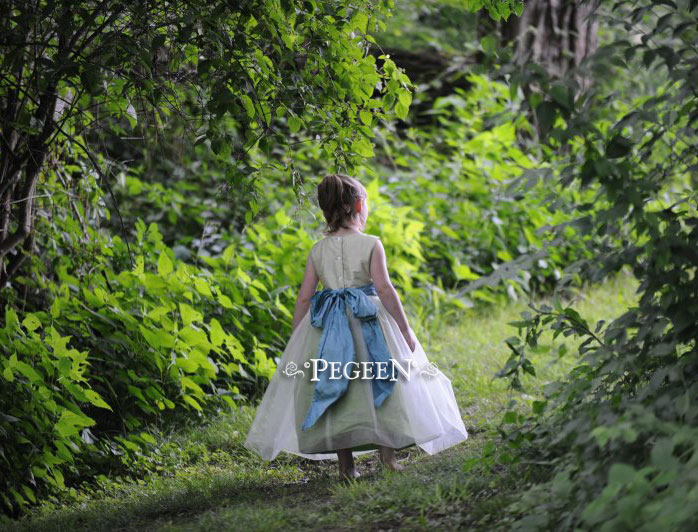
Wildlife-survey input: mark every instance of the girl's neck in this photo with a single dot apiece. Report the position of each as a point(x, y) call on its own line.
point(343, 231)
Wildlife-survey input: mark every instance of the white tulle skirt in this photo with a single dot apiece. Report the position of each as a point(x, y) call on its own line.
point(421, 410)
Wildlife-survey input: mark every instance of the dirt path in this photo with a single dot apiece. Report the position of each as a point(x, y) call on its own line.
point(320, 501)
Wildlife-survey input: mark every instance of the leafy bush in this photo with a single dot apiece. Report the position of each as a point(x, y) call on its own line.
point(43, 386)
point(619, 434)
point(159, 337)
point(477, 199)
point(482, 199)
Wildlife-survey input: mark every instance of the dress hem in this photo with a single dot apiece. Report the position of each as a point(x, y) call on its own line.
point(431, 447)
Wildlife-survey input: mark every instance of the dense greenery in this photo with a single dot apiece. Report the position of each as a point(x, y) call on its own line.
point(236, 77)
point(170, 333)
point(157, 278)
point(619, 433)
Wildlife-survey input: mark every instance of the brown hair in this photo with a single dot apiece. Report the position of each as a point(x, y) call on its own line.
point(337, 195)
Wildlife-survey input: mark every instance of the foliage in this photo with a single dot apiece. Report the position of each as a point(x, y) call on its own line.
point(620, 430)
point(254, 74)
point(470, 155)
point(496, 9)
point(479, 197)
point(446, 27)
point(160, 336)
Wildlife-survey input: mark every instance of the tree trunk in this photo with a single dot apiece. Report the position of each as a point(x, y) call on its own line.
point(16, 246)
point(555, 34)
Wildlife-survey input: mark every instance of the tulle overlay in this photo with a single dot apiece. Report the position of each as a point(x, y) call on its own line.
point(420, 411)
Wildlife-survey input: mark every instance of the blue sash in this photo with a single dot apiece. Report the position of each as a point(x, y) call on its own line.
point(337, 344)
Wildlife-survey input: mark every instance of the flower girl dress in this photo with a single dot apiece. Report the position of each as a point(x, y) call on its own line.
point(420, 407)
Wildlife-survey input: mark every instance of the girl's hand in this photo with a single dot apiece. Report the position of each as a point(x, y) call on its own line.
point(410, 338)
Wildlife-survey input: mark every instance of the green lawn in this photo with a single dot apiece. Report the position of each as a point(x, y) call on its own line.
point(209, 481)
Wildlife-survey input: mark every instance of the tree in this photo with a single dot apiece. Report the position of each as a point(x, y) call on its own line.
point(555, 34)
point(549, 40)
point(263, 71)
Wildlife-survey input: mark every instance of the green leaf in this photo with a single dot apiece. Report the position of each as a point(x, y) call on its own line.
point(561, 95)
point(187, 364)
point(621, 474)
point(463, 272)
point(387, 101)
point(248, 105)
point(70, 423)
point(29, 493)
point(618, 147)
point(225, 301)
point(11, 320)
point(538, 407)
point(401, 110)
point(164, 265)
point(216, 332)
point(294, 123)
point(546, 113)
point(405, 97)
point(189, 314)
point(360, 21)
point(449, 232)
point(194, 337)
point(157, 338)
point(31, 322)
point(28, 371)
point(366, 117)
point(96, 399)
point(510, 417)
point(663, 454)
point(192, 402)
point(489, 43)
point(363, 147)
point(148, 438)
point(202, 287)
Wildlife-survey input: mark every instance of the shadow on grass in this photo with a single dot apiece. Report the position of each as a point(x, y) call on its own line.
point(184, 495)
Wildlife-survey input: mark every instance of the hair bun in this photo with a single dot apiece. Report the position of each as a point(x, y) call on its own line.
point(337, 195)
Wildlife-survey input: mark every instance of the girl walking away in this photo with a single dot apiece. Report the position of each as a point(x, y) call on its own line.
point(353, 377)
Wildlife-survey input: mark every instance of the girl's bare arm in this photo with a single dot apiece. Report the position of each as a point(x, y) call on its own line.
point(308, 287)
point(387, 293)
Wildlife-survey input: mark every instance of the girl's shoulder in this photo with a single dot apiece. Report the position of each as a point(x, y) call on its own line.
point(371, 241)
point(347, 238)
point(357, 245)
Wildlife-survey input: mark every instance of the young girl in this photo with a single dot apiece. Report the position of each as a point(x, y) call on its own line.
point(353, 378)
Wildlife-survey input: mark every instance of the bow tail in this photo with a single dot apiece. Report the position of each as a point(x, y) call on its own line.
point(378, 352)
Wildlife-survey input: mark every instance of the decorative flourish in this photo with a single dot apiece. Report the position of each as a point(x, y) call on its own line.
point(431, 370)
point(291, 370)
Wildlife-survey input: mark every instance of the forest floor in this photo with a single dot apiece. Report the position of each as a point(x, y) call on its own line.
point(214, 483)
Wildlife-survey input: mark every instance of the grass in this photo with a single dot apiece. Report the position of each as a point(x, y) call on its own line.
point(209, 481)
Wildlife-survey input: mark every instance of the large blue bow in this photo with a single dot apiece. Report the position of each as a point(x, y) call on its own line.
point(337, 344)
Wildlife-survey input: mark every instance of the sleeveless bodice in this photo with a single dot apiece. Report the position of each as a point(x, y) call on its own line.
point(343, 261)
